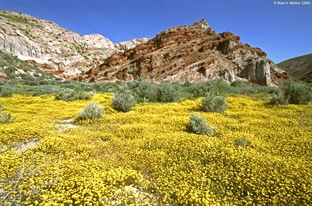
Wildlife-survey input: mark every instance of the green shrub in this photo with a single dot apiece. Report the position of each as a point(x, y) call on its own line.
point(202, 88)
point(242, 142)
point(168, 92)
point(213, 103)
point(6, 91)
point(143, 91)
point(67, 94)
point(64, 94)
point(279, 98)
point(297, 93)
point(123, 101)
point(44, 89)
point(224, 88)
point(238, 83)
point(199, 125)
point(272, 90)
point(80, 95)
point(92, 111)
point(5, 117)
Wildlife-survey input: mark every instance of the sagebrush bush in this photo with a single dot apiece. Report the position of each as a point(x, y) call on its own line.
point(123, 101)
point(67, 94)
point(143, 91)
point(7, 91)
point(199, 125)
point(5, 117)
point(168, 92)
point(238, 83)
point(202, 88)
point(297, 93)
point(213, 103)
point(242, 142)
point(92, 111)
point(272, 89)
point(279, 98)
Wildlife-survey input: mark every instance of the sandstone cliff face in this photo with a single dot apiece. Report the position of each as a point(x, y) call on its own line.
point(53, 48)
point(187, 53)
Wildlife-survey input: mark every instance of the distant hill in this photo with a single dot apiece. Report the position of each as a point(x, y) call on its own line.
point(299, 67)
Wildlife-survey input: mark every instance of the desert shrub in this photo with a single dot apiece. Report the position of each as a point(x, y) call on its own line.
point(45, 89)
point(199, 125)
point(238, 83)
point(5, 117)
point(67, 94)
point(105, 87)
point(168, 92)
point(143, 91)
point(30, 80)
point(202, 88)
point(297, 93)
point(10, 72)
point(123, 101)
point(213, 103)
point(279, 98)
point(242, 142)
point(64, 94)
point(6, 91)
point(80, 95)
point(92, 111)
point(223, 87)
point(187, 83)
point(272, 90)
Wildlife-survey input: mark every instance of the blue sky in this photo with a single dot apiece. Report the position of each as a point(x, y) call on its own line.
point(282, 31)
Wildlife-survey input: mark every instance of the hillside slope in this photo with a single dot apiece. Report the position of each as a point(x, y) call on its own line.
point(299, 67)
point(53, 48)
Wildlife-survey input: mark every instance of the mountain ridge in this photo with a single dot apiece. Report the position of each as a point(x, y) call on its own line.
point(189, 53)
point(180, 53)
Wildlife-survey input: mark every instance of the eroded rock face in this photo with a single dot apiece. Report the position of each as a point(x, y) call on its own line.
point(183, 53)
point(53, 48)
point(122, 46)
point(187, 53)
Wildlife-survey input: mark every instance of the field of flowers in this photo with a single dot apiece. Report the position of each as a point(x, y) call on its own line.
point(259, 154)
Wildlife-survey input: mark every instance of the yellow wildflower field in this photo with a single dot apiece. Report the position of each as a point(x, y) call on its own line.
point(258, 154)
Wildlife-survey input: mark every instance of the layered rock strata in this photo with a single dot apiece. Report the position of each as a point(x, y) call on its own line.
point(187, 53)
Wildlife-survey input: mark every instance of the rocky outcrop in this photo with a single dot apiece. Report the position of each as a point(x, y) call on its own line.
point(187, 53)
point(53, 48)
point(183, 53)
point(122, 46)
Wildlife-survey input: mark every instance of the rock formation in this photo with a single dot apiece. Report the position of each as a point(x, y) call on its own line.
point(122, 46)
point(53, 48)
point(187, 53)
point(183, 53)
